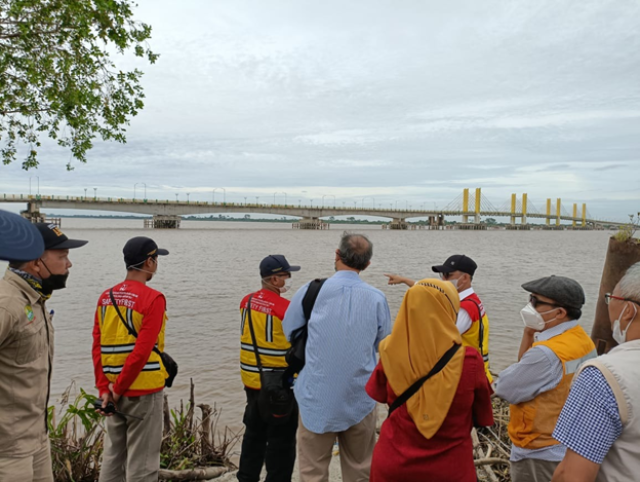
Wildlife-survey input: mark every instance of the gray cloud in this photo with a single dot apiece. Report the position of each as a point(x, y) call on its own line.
point(397, 100)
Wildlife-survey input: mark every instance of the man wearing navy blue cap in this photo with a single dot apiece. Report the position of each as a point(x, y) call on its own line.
point(26, 345)
point(263, 441)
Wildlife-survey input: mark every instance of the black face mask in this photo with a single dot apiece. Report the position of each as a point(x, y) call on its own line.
point(54, 282)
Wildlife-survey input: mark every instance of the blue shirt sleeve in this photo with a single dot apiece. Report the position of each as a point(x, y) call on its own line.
point(538, 371)
point(384, 321)
point(294, 317)
point(590, 422)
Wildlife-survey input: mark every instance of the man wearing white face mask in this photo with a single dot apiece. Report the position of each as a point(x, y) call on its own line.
point(264, 442)
point(599, 423)
point(552, 349)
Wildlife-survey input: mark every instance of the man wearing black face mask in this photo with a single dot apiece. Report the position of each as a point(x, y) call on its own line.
point(26, 355)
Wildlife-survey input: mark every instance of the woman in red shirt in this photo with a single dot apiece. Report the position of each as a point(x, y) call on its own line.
point(428, 437)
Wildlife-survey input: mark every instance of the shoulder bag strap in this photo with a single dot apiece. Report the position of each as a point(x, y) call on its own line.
point(130, 329)
point(310, 297)
point(253, 335)
point(409, 392)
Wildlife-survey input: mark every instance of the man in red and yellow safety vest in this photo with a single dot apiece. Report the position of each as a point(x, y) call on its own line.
point(472, 322)
point(128, 368)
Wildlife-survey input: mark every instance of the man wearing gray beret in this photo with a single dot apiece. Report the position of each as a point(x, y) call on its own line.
point(552, 349)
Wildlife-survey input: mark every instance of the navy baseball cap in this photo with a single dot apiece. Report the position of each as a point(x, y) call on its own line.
point(457, 262)
point(138, 249)
point(20, 240)
point(56, 239)
point(274, 264)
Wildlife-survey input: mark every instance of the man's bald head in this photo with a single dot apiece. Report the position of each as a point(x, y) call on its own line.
point(355, 251)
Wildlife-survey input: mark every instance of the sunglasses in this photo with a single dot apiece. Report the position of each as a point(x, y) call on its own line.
point(608, 297)
point(538, 302)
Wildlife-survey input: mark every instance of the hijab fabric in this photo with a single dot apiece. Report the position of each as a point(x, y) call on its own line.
point(424, 330)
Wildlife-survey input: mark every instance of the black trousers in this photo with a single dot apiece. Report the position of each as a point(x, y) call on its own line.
point(263, 443)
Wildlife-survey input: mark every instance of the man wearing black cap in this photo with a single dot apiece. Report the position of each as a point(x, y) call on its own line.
point(263, 443)
point(552, 349)
point(472, 322)
point(128, 337)
point(26, 349)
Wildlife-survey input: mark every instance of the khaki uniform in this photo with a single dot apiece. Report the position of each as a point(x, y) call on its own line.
point(26, 354)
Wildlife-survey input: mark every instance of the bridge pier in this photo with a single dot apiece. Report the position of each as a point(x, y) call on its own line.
point(398, 223)
point(161, 221)
point(310, 223)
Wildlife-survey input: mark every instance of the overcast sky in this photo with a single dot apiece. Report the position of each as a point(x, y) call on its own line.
point(407, 101)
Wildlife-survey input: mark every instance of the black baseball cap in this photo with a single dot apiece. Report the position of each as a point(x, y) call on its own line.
point(138, 249)
point(274, 264)
point(20, 240)
point(457, 262)
point(54, 238)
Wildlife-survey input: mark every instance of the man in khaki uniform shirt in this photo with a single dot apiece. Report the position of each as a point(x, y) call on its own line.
point(26, 356)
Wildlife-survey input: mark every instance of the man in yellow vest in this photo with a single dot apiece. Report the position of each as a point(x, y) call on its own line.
point(128, 368)
point(265, 442)
point(472, 322)
point(552, 349)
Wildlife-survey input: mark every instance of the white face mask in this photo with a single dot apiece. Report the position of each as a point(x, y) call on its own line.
point(533, 319)
point(618, 335)
point(454, 282)
point(286, 287)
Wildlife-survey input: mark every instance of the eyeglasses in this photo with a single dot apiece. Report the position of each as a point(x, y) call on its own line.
point(536, 301)
point(608, 297)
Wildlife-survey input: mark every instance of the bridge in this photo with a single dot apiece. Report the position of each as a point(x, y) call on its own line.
point(469, 206)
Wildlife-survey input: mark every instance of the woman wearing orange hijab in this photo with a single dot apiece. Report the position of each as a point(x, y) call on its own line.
point(428, 438)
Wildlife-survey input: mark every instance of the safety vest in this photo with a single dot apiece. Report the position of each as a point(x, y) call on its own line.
point(478, 335)
point(134, 300)
point(532, 422)
point(267, 312)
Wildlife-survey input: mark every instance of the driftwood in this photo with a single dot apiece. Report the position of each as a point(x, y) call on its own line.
point(482, 457)
point(192, 474)
point(490, 461)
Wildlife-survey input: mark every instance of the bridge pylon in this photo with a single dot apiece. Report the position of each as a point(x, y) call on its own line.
point(465, 205)
point(524, 209)
point(558, 211)
point(548, 218)
point(513, 208)
point(477, 212)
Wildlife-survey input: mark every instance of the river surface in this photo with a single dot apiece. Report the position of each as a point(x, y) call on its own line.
point(212, 265)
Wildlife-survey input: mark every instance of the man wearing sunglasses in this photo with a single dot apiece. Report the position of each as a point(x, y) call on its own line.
point(552, 349)
point(599, 424)
point(472, 322)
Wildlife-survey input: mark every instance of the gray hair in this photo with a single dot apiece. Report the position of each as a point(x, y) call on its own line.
point(355, 250)
point(630, 283)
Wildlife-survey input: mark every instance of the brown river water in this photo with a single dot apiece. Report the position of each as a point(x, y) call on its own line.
point(212, 265)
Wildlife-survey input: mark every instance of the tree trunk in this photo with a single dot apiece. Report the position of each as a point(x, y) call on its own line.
point(620, 256)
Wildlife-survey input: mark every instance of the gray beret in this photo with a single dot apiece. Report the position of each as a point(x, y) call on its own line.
point(564, 291)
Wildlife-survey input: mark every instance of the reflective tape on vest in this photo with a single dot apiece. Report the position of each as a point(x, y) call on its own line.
point(263, 351)
point(149, 367)
point(572, 366)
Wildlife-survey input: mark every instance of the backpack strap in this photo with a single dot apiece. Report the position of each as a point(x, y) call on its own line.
point(409, 392)
point(310, 297)
point(253, 335)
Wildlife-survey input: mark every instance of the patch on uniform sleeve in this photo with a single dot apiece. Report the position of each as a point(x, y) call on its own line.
point(29, 312)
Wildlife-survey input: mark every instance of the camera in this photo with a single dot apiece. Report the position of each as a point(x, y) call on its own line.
point(110, 408)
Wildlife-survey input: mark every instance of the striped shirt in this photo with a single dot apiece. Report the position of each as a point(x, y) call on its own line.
point(347, 322)
point(590, 422)
point(538, 371)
